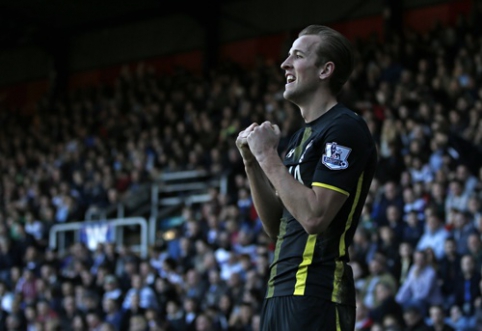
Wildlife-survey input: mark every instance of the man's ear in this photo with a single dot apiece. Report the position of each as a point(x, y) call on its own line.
point(327, 70)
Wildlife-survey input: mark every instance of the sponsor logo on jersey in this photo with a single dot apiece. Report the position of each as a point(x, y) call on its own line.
point(336, 156)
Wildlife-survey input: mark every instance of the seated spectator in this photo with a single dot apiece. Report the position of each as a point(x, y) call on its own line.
point(437, 319)
point(389, 197)
point(386, 304)
point(434, 235)
point(112, 313)
point(413, 229)
point(448, 271)
point(467, 285)
point(147, 297)
point(216, 288)
point(403, 263)
point(134, 309)
point(395, 222)
point(456, 197)
point(414, 319)
point(413, 203)
point(175, 316)
point(458, 321)
point(462, 229)
point(378, 273)
point(474, 244)
point(420, 289)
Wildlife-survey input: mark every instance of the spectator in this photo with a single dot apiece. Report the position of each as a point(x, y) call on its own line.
point(113, 315)
point(420, 289)
point(378, 273)
point(462, 230)
point(448, 272)
point(467, 285)
point(387, 306)
point(147, 297)
point(403, 263)
point(434, 235)
point(389, 197)
point(437, 319)
point(456, 197)
point(413, 318)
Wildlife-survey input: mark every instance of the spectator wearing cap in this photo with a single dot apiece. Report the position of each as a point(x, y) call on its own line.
point(420, 288)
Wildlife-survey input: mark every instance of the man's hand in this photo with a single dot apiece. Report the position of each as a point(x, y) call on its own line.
point(242, 143)
point(263, 139)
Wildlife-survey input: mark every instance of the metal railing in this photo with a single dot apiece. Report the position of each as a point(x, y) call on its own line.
point(57, 233)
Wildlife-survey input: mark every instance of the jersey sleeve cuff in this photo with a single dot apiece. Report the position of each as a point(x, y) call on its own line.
point(331, 187)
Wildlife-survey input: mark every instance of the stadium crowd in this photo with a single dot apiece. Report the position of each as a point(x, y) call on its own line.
point(417, 253)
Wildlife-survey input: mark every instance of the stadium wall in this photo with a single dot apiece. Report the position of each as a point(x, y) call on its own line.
point(237, 43)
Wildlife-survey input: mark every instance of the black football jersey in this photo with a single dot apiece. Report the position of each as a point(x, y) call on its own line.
point(337, 152)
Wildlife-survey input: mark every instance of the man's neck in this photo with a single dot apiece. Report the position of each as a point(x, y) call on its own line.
point(319, 104)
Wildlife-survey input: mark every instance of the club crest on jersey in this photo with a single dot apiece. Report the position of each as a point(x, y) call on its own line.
point(336, 156)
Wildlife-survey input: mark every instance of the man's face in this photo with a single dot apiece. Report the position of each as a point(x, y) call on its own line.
point(302, 74)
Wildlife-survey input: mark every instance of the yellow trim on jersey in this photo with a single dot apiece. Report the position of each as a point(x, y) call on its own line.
point(338, 327)
point(342, 247)
point(302, 272)
point(279, 242)
point(331, 187)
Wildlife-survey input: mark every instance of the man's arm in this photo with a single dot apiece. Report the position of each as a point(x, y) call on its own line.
point(267, 204)
point(314, 208)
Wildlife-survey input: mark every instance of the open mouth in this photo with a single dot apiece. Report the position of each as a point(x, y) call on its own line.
point(290, 79)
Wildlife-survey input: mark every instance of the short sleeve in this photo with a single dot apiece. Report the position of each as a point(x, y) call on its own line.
point(347, 146)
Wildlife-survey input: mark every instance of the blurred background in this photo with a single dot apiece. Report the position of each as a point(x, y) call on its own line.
point(123, 199)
